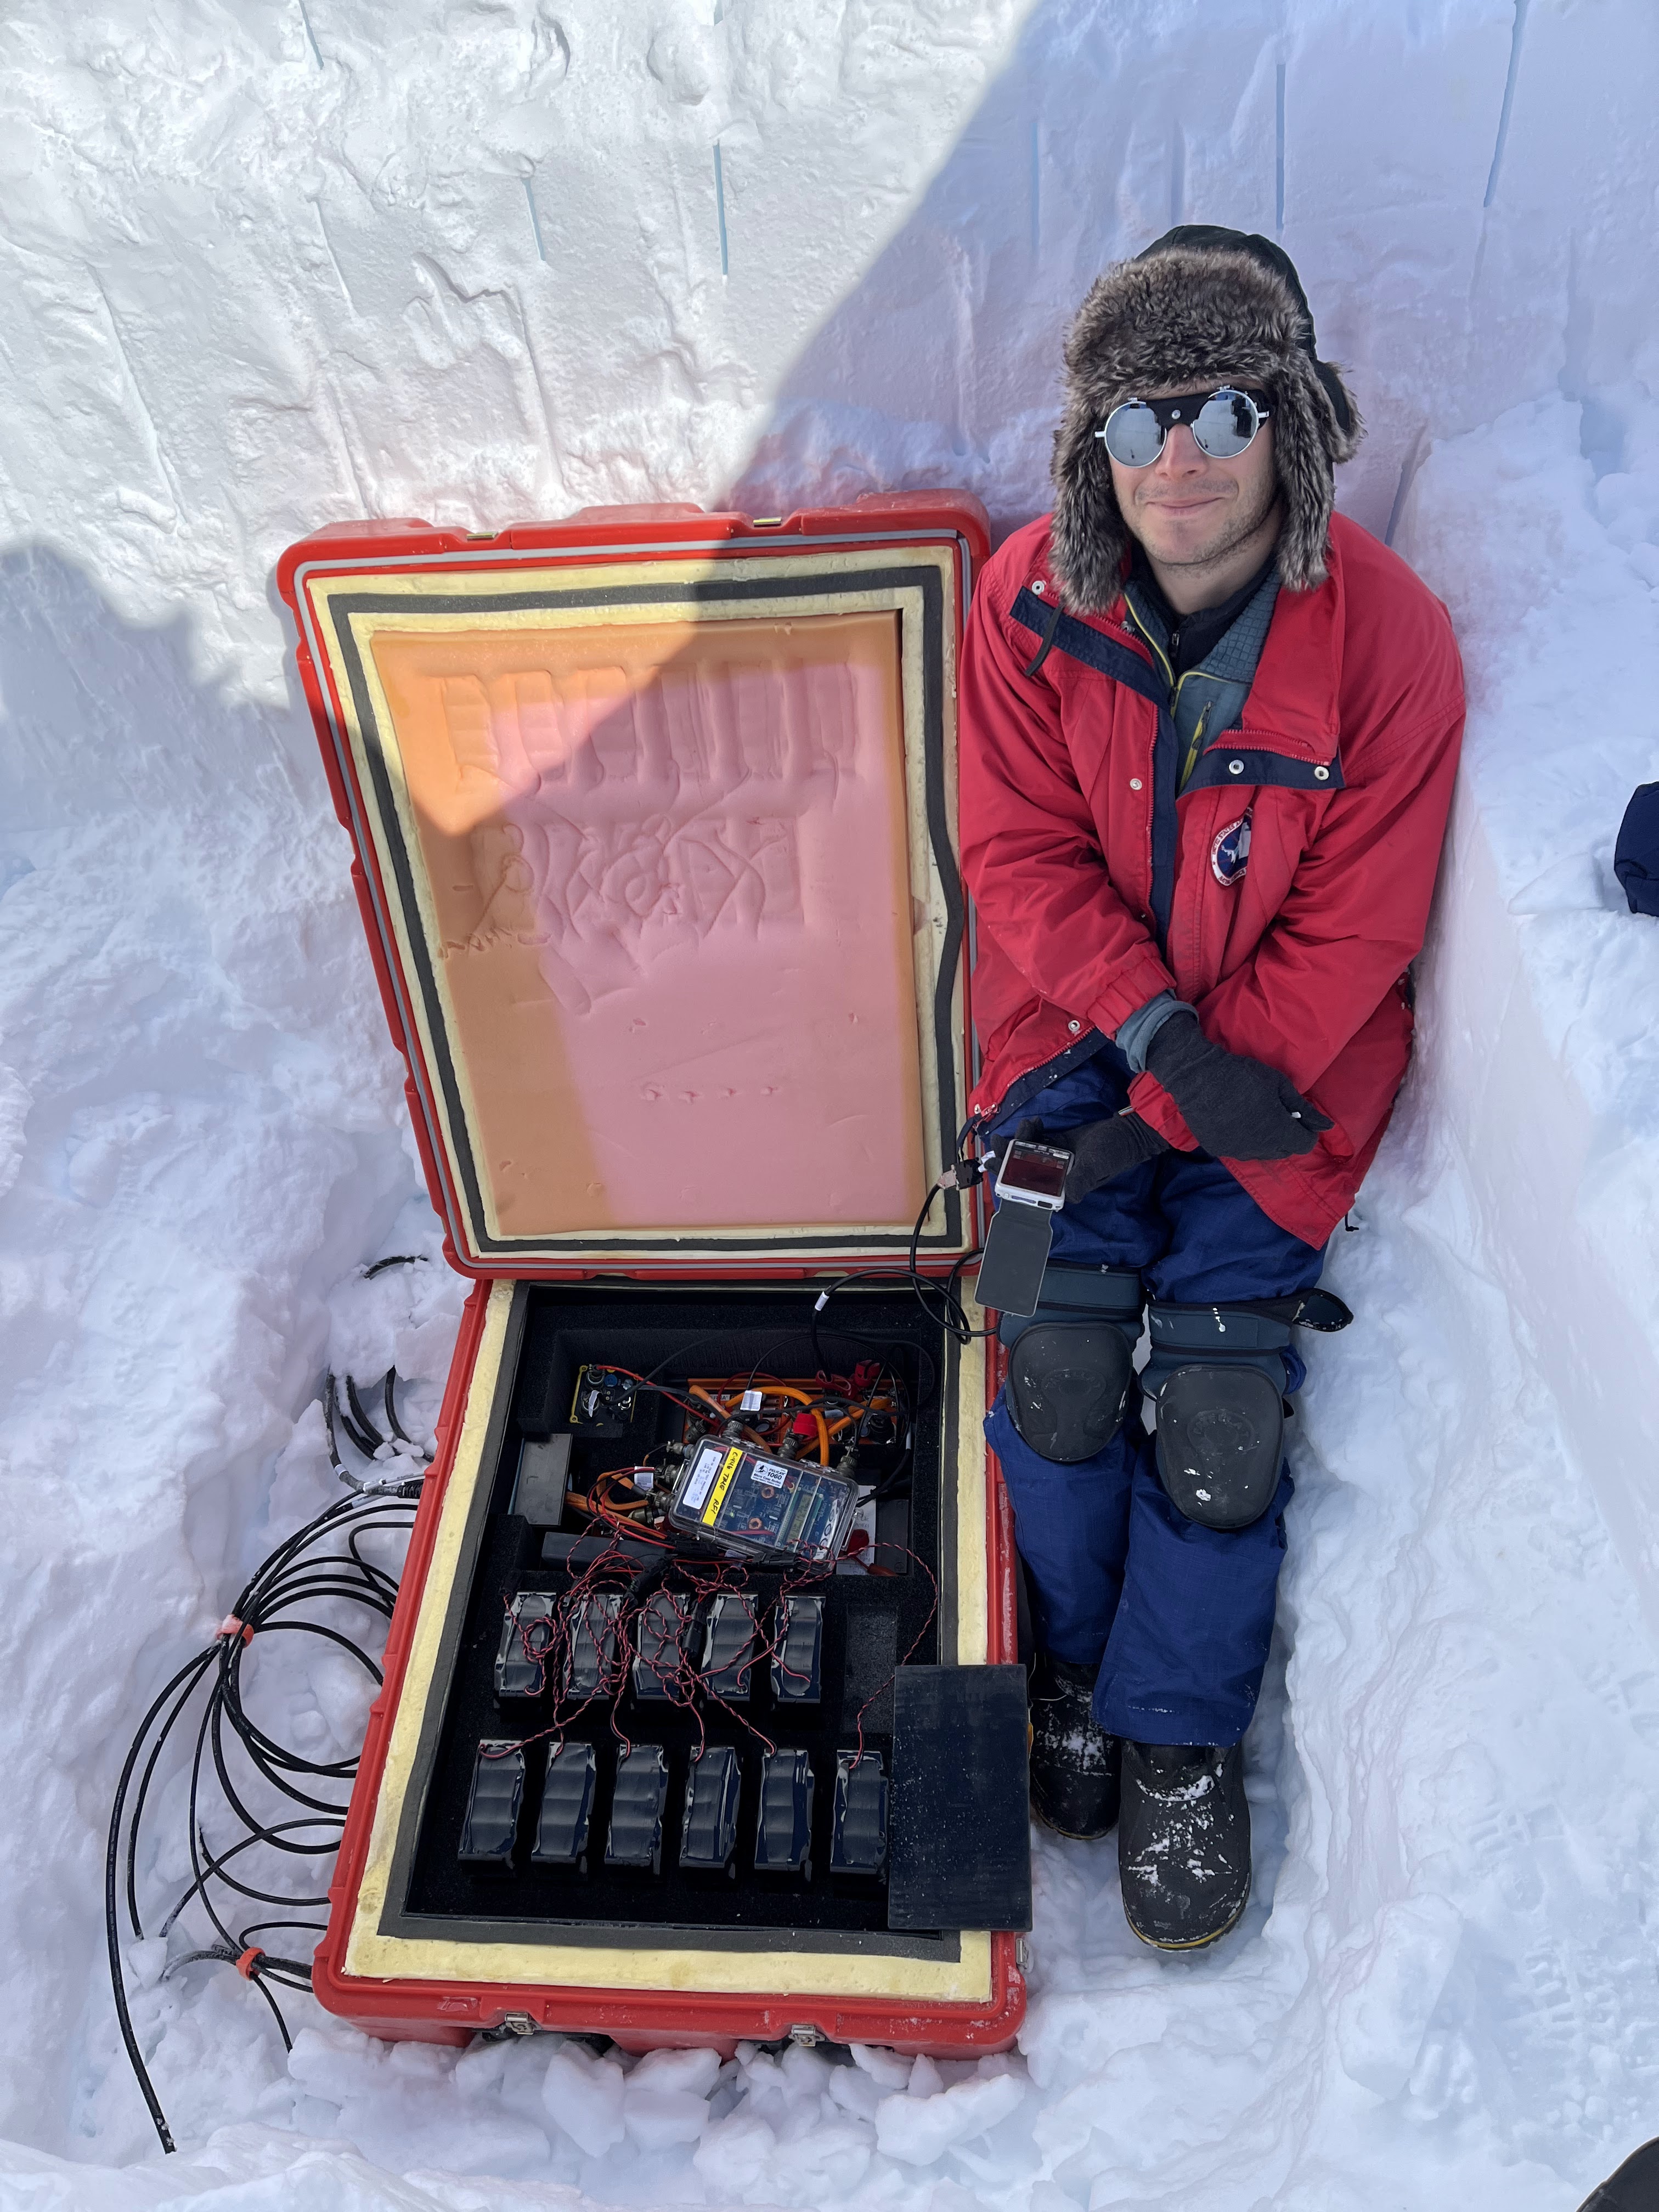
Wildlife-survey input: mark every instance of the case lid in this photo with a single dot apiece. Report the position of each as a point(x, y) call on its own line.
point(655, 820)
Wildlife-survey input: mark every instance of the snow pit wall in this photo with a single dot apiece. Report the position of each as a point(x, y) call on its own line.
point(1537, 1056)
point(1528, 1138)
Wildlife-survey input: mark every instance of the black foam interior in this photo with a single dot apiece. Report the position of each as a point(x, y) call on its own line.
point(870, 1620)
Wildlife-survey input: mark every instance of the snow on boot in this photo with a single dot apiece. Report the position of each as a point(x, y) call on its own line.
point(1183, 1842)
point(1074, 1763)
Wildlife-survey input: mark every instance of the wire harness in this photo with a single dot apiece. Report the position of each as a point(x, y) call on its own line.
point(317, 1575)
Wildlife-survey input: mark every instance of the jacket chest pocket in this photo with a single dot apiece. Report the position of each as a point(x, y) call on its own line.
point(1111, 736)
point(1240, 850)
point(1216, 836)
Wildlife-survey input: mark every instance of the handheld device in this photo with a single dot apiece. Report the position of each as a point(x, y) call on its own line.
point(1033, 1174)
point(1031, 1185)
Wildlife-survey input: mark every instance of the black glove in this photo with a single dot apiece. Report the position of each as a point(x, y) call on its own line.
point(1099, 1150)
point(1238, 1109)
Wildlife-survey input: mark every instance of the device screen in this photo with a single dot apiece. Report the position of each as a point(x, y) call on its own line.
point(1035, 1168)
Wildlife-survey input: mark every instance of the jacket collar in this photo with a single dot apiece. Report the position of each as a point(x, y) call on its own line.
point(1293, 700)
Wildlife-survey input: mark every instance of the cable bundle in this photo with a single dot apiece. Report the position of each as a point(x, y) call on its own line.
point(652, 1633)
point(322, 1562)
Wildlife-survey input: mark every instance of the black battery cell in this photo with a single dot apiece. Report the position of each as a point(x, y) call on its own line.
point(708, 1836)
point(858, 1840)
point(528, 1635)
point(728, 1648)
point(798, 1655)
point(636, 1806)
point(591, 1626)
point(663, 1640)
point(783, 1836)
point(492, 1807)
point(567, 1808)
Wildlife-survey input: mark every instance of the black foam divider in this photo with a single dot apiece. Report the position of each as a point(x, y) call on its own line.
point(536, 1405)
point(962, 1835)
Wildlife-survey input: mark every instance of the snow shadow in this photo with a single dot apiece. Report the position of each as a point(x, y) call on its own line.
point(201, 1136)
point(100, 715)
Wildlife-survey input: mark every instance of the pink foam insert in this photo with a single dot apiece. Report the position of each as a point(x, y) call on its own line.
point(669, 887)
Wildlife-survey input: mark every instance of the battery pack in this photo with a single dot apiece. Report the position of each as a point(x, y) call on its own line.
point(762, 1506)
point(492, 1810)
point(527, 1637)
point(858, 1832)
point(783, 1839)
point(567, 1808)
point(593, 1663)
point(709, 1834)
point(636, 1805)
point(729, 1648)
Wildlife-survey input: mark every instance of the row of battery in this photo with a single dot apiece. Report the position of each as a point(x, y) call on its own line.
point(569, 1648)
point(709, 1823)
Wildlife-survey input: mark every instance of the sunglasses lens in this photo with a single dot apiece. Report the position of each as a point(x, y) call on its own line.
point(1226, 424)
point(1133, 435)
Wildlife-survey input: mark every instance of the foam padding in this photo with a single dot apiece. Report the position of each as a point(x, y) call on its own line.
point(666, 867)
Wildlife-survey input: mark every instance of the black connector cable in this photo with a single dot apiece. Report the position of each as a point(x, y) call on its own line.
point(938, 1301)
point(311, 1567)
point(367, 1437)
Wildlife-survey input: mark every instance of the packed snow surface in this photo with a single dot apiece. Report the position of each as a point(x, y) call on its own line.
point(270, 266)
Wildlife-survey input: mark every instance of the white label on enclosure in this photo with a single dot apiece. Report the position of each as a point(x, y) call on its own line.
point(704, 1469)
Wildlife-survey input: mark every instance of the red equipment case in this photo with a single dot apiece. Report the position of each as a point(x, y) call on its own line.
point(654, 817)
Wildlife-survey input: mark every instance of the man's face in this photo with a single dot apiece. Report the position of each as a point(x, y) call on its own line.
point(1188, 510)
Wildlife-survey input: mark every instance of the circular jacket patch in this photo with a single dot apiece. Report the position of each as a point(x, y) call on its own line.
point(1229, 856)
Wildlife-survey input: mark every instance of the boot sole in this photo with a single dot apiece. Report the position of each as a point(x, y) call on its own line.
point(1073, 1835)
point(1195, 1942)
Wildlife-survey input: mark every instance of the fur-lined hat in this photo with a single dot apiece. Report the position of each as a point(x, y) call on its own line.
point(1199, 302)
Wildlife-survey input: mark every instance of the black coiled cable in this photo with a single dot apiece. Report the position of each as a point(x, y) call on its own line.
point(277, 1599)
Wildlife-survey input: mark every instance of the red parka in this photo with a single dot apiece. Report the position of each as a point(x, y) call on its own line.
point(1098, 887)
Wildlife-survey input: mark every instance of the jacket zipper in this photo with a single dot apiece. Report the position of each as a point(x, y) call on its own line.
point(1196, 745)
point(1153, 645)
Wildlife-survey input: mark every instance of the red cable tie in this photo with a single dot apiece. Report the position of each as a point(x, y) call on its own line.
point(231, 1626)
point(248, 1960)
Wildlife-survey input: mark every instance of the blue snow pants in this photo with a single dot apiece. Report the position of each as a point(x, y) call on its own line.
point(1178, 1617)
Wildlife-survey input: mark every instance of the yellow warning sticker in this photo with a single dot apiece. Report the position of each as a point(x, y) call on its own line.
point(732, 1462)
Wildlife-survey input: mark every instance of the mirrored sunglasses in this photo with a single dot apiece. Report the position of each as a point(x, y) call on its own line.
point(1223, 422)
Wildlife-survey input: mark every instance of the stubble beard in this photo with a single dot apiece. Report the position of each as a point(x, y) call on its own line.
point(1237, 532)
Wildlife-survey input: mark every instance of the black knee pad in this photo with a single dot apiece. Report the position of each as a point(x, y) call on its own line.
point(1220, 1439)
point(1217, 1378)
point(1068, 1387)
point(1071, 1366)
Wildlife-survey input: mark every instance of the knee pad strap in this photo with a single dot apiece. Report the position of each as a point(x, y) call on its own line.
point(1073, 1294)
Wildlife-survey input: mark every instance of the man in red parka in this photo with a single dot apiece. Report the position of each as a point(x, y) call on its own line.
point(1209, 735)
